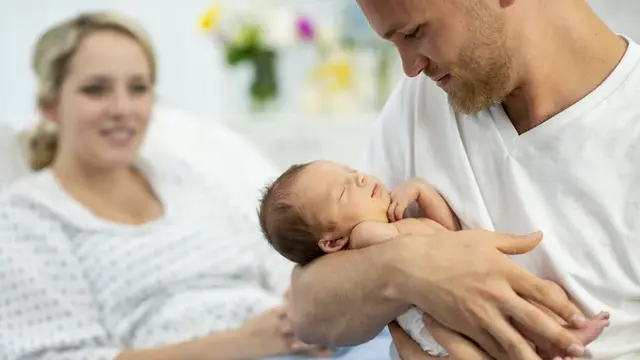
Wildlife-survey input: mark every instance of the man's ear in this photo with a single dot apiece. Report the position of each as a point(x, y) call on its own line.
point(330, 244)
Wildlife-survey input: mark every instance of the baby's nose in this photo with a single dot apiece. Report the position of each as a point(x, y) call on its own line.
point(361, 180)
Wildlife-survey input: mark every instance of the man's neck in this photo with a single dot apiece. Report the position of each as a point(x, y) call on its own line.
point(568, 57)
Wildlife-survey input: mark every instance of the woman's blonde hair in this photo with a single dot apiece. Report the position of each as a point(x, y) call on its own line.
point(50, 62)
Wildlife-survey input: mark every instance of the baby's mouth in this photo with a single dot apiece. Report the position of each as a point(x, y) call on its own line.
point(374, 191)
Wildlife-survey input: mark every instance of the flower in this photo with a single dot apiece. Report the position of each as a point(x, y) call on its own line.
point(278, 28)
point(256, 35)
point(336, 73)
point(306, 29)
point(210, 19)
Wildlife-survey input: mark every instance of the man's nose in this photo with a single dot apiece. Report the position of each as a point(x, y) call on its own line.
point(414, 65)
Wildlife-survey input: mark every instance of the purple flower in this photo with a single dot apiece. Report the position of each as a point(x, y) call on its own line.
point(305, 27)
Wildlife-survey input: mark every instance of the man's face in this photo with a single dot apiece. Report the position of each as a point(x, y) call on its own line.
point(460, 44)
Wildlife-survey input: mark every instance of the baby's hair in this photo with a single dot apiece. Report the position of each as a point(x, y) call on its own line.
point(283, 223)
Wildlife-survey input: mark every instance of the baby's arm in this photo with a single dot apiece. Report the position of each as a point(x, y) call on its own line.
point(371, 232)
point(418, 226)
point(428, 198)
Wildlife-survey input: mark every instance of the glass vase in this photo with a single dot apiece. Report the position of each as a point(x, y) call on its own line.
point(264, 87)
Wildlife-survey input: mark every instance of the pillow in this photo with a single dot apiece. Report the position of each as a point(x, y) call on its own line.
point(210, 146)
point(14, 161)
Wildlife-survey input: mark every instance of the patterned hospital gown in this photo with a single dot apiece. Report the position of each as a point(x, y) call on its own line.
point(74, 286)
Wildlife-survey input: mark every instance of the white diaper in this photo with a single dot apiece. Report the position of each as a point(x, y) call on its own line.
point(411, 322)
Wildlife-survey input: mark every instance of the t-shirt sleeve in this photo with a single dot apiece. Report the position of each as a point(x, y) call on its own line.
point(47, 310)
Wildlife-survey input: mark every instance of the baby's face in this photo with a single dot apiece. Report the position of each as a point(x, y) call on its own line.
point(336, 194)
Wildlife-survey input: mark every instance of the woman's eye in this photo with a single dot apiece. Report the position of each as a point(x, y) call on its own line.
point(140, 88)
point(94, 89)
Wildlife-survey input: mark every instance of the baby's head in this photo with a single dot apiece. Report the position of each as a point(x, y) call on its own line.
point(311, 208)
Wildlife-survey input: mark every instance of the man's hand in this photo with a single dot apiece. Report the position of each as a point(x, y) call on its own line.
point(466, 283)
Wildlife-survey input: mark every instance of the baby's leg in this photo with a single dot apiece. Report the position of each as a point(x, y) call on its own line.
point(586, 335)
point(412, 323)
point(592, 329)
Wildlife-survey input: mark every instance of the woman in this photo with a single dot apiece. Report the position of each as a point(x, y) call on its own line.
point(105, 254)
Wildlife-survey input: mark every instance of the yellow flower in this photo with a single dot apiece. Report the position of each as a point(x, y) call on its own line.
point(211, 17)
point(337, 75)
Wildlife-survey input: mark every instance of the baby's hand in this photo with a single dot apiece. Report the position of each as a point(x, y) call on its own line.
point(429, 199)
point(403, 196)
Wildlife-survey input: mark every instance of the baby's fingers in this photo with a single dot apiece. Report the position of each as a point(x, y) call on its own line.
point(400, 209)
point(391, 213)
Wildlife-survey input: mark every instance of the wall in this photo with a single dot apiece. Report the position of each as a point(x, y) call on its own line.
point(193, 76)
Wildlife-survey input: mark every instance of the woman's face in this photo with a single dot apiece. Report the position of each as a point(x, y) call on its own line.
point(105, 101)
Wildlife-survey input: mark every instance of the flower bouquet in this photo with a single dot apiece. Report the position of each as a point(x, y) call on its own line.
point(256, 35)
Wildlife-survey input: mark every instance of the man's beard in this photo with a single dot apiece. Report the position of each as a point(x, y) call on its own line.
point(482, 76)
point(489, 86)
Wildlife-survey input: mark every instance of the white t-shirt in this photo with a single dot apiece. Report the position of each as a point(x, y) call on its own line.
point(576, 177)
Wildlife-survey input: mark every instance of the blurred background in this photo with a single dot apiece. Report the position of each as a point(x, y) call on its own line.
point(313, 94)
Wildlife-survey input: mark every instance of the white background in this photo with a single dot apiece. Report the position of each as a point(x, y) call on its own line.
point(193, 75)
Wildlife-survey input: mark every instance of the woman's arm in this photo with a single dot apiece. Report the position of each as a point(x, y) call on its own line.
point(238, 344)
point(48, 311)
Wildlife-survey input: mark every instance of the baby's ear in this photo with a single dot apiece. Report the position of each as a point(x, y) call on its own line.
point(330, 244)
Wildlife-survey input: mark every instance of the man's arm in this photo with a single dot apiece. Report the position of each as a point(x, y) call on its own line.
point(345, 298)
point(462, 279)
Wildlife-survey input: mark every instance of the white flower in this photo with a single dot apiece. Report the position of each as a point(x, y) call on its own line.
point(279, 27)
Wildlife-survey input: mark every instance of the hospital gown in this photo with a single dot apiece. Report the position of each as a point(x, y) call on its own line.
point(75, 286)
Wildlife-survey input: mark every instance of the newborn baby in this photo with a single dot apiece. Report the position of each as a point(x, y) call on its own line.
point(322, 207)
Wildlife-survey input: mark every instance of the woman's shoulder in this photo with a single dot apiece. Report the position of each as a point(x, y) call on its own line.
point(29, 201)
point(27, 188)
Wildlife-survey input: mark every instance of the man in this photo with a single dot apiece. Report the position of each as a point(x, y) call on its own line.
point(525, 115)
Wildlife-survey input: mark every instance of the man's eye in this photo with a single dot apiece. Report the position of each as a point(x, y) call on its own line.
point(413, 34)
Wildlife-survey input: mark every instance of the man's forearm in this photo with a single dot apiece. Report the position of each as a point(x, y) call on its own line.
point(345, 298)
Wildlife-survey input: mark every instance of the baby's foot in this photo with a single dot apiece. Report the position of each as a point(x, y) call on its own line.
point(592, 329)
point(586, 335)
